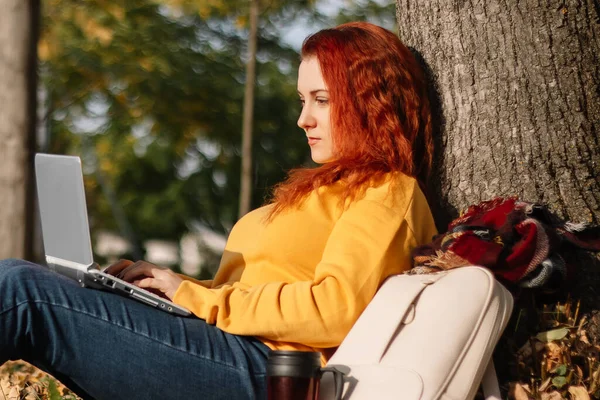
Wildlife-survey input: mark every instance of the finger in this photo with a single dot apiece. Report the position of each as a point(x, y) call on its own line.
point(130, 272)
point(125, 270)
point(149, 285)
point(116, 268)
point(164, 281)
point(138, 269)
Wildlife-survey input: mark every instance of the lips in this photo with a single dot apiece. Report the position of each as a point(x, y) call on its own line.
point(313, 140)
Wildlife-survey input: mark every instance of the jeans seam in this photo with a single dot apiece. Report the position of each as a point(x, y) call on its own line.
point(44, 302)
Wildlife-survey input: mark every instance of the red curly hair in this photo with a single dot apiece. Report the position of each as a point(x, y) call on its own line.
point(380, 113)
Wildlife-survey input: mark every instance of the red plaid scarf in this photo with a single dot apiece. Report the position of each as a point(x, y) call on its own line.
point(520, 242)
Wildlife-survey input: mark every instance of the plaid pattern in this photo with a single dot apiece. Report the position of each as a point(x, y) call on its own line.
point(520, 242)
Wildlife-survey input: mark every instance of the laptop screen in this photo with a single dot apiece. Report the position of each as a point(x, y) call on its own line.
point(63, 211)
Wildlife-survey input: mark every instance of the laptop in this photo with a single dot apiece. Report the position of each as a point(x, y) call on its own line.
point(66, 233)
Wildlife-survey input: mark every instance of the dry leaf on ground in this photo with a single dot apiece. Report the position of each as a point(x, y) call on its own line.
point(545, 385)
point(554, 351)
point(579, 393)
point(554, 395)
point(555, 334)
point(22, 381)
point(8, 390)
point(519, 392)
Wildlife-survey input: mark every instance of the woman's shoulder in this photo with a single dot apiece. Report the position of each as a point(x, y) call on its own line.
point(394, 187)
point(402, 195)
point(393, 191)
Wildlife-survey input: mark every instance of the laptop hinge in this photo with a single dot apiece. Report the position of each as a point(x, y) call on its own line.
point(55, 261)
point(71, 269)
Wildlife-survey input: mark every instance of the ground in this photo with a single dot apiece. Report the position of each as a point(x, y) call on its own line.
point(22, 381)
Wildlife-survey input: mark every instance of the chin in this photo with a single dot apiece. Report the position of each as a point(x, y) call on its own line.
point(321, 158)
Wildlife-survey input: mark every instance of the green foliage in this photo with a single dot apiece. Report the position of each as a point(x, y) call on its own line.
point(560, 362)
point(53, 393)
point(380, 12)
point(20, 380)
point(151, 95)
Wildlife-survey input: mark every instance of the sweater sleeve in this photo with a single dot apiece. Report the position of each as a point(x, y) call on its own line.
point(362, 248)
point(207, 283)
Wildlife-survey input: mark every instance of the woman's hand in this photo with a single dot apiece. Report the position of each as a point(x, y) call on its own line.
point(146, 275)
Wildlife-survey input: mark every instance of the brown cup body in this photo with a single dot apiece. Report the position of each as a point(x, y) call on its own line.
point(293, 375)
point(292, 388)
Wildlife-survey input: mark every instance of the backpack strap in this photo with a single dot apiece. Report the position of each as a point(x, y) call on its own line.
point(489, 382)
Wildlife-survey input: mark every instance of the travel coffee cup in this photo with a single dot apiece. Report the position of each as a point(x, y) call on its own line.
point(295, 375)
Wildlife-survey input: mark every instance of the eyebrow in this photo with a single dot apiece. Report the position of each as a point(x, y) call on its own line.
point(313, 92)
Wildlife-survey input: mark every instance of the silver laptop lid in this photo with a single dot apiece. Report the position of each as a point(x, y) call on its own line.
point(63, 212)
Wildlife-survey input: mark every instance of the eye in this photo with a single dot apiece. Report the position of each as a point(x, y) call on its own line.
point(322, 100)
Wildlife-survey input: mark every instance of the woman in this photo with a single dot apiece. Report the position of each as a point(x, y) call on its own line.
point(295, 274)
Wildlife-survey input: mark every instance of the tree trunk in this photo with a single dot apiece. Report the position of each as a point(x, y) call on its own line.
point(516, 104)
point(519, 96)
point(516, 101)
point(18, 43)
point(246, 174)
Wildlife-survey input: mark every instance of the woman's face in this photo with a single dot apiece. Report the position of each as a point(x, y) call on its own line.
point(315, 115)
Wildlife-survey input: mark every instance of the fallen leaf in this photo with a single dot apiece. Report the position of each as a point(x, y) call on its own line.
point(578, 372)
point(583, 337)
point(13, 394)
point(545, 385)
point(519, 392)
point(525, 350)
point(579, 393)
point(20, 380)
point(4, 386)
point(559, 381)
point(560, 370)
point(552, 396)
point(555, 334)
point(31, 396)
point(553, 350)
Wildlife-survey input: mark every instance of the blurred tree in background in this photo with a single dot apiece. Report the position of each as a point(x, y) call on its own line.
point(151, 97)
point(149, 93)
point(19, 22)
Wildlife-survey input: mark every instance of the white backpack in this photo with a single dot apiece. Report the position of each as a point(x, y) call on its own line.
point(425, 337)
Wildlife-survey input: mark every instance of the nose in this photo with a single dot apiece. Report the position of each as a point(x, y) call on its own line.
point(306, 119)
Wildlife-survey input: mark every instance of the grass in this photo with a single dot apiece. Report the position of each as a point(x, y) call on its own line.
point(22, 381)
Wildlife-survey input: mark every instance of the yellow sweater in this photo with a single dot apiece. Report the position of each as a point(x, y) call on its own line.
point(302, 280)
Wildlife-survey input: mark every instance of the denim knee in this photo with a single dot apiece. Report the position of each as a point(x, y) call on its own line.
point(13, 271)
point(11, 262)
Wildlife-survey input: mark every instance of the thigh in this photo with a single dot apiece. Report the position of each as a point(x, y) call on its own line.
point(112, 347)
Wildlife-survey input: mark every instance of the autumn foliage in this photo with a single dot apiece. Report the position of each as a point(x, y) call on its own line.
point(22, 381)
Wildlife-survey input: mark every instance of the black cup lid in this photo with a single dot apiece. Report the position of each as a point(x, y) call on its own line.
point(300, 364)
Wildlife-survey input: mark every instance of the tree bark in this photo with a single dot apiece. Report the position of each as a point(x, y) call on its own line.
point(18, 59)
point(246, 173)
point(519, 100)
point(516, 102)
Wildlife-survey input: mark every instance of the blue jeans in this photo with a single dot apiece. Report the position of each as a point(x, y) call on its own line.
point(105, 346)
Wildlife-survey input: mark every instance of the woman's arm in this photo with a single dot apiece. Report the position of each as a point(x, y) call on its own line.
point(207, 283)
point(370, 241)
